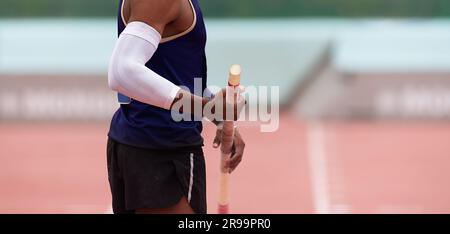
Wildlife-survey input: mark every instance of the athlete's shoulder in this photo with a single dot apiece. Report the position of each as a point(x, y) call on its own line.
point(160, 4)
point(156, 13)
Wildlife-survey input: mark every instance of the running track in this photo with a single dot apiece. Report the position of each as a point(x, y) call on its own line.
point(332, 167)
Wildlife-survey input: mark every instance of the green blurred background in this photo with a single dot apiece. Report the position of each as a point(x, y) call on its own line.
point(241, 8)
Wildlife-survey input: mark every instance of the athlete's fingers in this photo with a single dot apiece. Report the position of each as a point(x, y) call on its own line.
point(222, 110)
point(227, 162)
point(238, 153)
point(218, 138)
point(236, 159)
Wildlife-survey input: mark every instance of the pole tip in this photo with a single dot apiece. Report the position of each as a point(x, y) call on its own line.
point(235, 75)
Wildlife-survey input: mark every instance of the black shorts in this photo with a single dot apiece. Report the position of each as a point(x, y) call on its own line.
point(146, 178)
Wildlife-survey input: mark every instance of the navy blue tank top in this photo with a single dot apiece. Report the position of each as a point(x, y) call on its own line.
point(179, 60)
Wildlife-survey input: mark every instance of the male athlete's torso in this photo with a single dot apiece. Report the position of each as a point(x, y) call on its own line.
point(180, 59)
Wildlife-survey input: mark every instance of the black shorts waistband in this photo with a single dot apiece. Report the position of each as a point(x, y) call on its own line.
point(191, 148)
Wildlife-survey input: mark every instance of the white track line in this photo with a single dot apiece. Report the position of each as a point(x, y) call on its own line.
point(318, 167)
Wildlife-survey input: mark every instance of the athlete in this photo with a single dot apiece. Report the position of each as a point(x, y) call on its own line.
point(155, 163)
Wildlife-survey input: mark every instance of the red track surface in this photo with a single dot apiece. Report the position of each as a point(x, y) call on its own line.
point(371, 167)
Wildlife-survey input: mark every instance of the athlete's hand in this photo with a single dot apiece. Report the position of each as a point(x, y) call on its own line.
point(237, 152)
point(217, 109)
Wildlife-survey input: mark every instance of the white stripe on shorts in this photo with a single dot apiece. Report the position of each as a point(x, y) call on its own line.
point(191, 180)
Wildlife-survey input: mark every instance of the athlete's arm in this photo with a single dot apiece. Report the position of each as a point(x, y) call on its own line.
point(136, 45)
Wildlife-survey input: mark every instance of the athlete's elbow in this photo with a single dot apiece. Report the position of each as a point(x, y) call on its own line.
point(112, 74)
point(112, 81)
point(115, 79)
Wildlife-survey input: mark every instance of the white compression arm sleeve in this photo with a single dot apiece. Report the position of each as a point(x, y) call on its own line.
point(128, 74)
